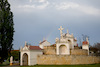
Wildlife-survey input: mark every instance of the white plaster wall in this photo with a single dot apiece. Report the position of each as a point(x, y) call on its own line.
point(86, 47)
point(33, 56)
point(72, 45)
point(59, 44)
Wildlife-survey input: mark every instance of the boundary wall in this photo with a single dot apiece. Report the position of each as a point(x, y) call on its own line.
point(66, 59)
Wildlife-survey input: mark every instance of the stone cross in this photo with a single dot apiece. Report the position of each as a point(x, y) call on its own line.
point(61, 33)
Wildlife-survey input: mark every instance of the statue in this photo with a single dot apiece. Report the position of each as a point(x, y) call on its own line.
point(11, 60)
point(57, 40)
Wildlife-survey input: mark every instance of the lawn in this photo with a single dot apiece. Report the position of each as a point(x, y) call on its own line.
point(90, 65)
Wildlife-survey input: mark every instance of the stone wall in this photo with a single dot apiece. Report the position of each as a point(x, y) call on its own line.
point(79, 52)
point(66, 59)
point(52, 50)
point(49, 50)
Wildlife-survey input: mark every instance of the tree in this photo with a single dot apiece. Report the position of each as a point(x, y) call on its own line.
point(15, 54)
point(6, 29)
point(97, 45)
point(96, 49)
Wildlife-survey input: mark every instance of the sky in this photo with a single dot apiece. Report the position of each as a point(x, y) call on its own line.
point(35, 20)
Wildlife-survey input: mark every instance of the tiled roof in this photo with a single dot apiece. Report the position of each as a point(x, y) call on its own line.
point(54, 45)
point(84, 42)
point(42, 41)
point(35, 48)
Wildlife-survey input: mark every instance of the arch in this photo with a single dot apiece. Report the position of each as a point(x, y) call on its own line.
point(62, 50)
point(25, 59)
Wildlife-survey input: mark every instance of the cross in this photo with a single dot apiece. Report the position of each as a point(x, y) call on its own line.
point(61, 30)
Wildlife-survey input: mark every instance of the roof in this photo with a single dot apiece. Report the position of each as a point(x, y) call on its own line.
point(54, 45)
point(85, 43)
point(42, 41)
point(35, 48)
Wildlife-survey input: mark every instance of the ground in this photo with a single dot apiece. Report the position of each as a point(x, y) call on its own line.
point(90, 65)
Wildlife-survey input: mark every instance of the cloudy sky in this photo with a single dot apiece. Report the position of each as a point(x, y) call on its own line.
point(38, 19)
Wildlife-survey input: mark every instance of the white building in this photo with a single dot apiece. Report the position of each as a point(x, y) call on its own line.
point(28, 54)
point(44, 43)
point(85, 45)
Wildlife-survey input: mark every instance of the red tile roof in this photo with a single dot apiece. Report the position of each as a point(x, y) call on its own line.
point(42, 42)
point(54, 45)
point(84, 42)
point(35, 48)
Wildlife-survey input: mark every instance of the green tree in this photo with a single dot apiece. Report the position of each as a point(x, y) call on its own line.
point(6, 29)
point(15, 54)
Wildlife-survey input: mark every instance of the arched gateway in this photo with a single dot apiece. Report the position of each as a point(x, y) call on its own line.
point(62, 49)
point(25, 59)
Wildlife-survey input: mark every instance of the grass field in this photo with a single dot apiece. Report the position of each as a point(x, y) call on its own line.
point(90, 65)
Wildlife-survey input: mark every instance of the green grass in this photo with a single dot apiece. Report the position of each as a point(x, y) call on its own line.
point(89, 65)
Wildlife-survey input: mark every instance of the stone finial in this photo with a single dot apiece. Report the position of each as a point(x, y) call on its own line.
point(28, 46)
point(25, 43)
point(72, 34)
point(40, 41)
point(67, 31)
point(87, 40)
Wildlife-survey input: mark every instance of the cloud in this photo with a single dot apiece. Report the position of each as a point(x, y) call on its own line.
point(42, 5)
point(75, 6)
point(41, 0)
point(89, 10)
point(30, 0)
point(65, 5)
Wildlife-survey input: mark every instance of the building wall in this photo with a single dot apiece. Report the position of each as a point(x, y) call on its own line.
point(32, 56)
point(49, 50)
point(79, 52)
point(66, 59)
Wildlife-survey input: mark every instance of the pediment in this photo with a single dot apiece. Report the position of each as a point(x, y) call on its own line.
point(25, 48)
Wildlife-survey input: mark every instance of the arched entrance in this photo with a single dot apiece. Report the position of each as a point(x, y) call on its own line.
point(62, 50)
point(25, 59)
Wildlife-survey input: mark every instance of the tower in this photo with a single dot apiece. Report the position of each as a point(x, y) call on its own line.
point(85, 45)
